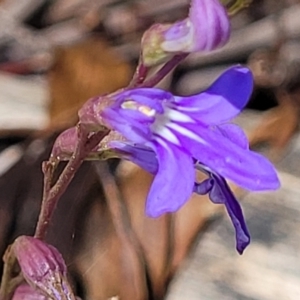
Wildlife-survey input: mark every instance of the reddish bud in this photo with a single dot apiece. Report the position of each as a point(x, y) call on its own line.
point(43, 267)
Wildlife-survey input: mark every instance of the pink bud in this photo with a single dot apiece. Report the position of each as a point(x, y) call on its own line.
point(25, 291)
point(43, 267)
point(65, 144)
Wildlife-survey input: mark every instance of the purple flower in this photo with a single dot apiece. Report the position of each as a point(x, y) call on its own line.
point(206, 28)
point(171, 136)
point(168, 135)
point(43, 267)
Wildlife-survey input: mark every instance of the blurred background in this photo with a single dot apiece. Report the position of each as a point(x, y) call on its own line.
point(55, 54)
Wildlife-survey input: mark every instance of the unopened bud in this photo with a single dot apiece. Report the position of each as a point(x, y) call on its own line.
point(43, 267)
point(27, 292)
point(65, 144)
point(206, 28)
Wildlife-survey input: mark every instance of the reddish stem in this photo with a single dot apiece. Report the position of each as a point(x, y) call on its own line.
point(164, 71)
point(52, 195)
point(139, 76)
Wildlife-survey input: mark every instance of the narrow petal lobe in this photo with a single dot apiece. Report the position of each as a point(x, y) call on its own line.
point(174, 181)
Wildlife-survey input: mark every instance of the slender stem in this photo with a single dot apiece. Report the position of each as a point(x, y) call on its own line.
point(84, 146)
point(164, 71)
point(139, 75)
point(48, 170)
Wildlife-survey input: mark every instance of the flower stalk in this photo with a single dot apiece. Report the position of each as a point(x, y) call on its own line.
point(139, 75)
point(164, 71)
point(52, 194)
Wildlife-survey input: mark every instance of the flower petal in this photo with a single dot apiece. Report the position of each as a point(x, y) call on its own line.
point(211, 24)
point(235, 134)
point(131, 129)
point(221, 102)
point(138, 154)
point(133, 112)
point(179, 37)
point(203, 187)
point(174, 181)
point(221, 193)
point(244, 167)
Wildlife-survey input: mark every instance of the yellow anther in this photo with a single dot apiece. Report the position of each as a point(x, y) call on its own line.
point(144, 109)
point(130, 105)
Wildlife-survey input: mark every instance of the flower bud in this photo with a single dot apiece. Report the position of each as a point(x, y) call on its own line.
point(43, 267)
point(206, 28)
point(65, 144)
point(27, 292)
